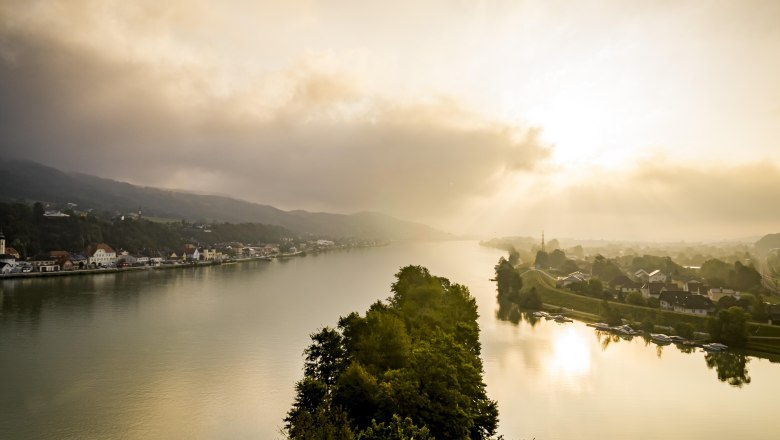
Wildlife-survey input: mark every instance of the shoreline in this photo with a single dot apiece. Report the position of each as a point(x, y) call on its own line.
point(764, 339)
point(197, 264)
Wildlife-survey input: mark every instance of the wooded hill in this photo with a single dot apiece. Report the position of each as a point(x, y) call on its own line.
point(29, 182)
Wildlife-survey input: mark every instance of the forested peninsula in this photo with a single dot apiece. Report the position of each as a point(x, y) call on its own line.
point(409, 368)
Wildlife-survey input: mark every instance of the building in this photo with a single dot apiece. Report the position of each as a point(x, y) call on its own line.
point(100, 254)
point(624, 284)
point(685, 302)
point(653, 290)
point(694, 286)
point(642, 275)
point(574, 277)
point(656, 276)
point(44, 263)
point(716, 293)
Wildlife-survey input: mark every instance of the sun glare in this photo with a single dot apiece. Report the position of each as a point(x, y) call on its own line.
point(570, 357)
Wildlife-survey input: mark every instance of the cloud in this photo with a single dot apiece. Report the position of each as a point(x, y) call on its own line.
point(306, 137)
point(657, 199)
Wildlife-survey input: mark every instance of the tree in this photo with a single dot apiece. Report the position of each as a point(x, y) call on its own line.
point(409, 368)
point(611, 315)
point(730, 327)
point(325, 357)
point(530, 300)
point(635, 298)
point(605, 269)
point(684, 329)
point(556, 258)
point(542, 259)
point(508, 282)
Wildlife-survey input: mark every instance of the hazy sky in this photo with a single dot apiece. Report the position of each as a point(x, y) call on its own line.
point(589, 119)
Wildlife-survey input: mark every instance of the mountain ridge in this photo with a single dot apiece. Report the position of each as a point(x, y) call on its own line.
point(32, 181)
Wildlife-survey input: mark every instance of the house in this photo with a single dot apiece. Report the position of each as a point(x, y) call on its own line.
point(716, 293)
point(642, 275)
point(574, 277)
point(685, 302)
point(6, 268)
point(44, 263)
point(653, 290)
point(188, 252)
point(100, 254)
point(624, 284)
point(79, 261)
point(210, 254)
point(656, 276)
point(63, 259)
point(694, 286)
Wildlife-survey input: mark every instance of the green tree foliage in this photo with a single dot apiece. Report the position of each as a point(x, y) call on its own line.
point(396, 429)
point(30, 233)
point(611, 315)
point(635, 298)
point(664, 264)
point(409, 368)
point(730, 327)
point(593, 288)
point(605, 269)
point(569, 266)
point(737, 276)
point(684, 329)
point(556, 258)
point(514, 257)
point(508, 282)
point(542, 259)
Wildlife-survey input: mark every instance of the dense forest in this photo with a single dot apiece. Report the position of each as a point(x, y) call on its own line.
point(29, 232)
point(409, 368)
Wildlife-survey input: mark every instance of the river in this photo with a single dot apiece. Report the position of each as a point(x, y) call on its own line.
point(215, 352)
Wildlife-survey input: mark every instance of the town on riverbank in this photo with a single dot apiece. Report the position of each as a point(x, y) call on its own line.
point(35, 242)
point(721, 301)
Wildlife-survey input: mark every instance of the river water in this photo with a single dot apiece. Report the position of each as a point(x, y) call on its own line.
point(215, 352)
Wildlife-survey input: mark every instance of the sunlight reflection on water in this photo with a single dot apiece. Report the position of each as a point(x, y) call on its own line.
point(571, 357)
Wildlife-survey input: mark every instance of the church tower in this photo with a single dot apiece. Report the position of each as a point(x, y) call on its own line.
point(2, 242)
point(543, 240)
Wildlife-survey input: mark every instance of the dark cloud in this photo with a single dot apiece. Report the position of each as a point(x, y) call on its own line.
point(323, 143)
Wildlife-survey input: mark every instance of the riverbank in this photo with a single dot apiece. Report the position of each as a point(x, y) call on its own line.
point(66, 273)
point(764, 338)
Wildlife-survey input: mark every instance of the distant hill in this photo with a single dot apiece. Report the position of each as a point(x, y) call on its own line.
point(767, 243)
point(29, 181)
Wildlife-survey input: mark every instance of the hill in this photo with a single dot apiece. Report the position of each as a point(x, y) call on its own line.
point(767, 243)
point(29, 181)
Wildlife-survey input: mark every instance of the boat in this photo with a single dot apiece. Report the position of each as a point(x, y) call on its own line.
point(599, 326)
point(715, 347)
point(660, 338)
point(677, 339)
point(624, 330)
point(562, 319)
point(541, 314)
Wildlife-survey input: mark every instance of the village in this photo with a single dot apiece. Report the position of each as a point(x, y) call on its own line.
point(97, 256)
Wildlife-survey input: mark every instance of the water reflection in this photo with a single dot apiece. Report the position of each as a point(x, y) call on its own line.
point(731, 367)
point(571, 357)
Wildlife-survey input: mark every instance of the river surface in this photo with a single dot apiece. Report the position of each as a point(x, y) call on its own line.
point(215, 352)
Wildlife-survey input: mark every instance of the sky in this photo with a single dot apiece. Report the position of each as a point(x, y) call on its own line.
point(626, 120)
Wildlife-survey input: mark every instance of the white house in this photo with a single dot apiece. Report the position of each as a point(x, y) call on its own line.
point(100, 254)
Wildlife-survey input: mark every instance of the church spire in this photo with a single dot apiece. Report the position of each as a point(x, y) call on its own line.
point(543, 240)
